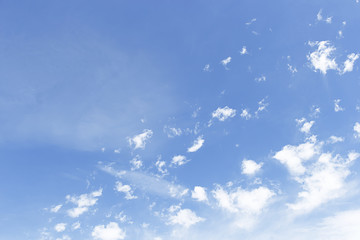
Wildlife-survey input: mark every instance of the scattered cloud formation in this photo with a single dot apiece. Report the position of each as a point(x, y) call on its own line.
point(207, 68)
point(198, 143)
point(136, 163)
point(139, 141)
point(251, 21)
point(111, 231)
point(83, 202)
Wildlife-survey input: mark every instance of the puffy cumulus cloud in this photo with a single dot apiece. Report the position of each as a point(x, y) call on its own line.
point(243, 201)
point(198, 143)
point(199, 194)
point(305, 126)
point(136, 163)
point(112, 231)
point(60, 227)
point(125, 189)
point(349, 63)
point(250, 167)
point(184, 217)
point(323, 181)
point(320, 175)
point(321, 59)
point(225, 62)
point(56, 208)
point(337, 107)
point(179, 160)
point(172, 132)
point(245, 114)
point(139, 141)
point(335, 139)
point(294, 156)
point(357, 130)
point(224, 113)
point(83, 202)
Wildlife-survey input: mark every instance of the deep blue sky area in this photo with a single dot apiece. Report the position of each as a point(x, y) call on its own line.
point(179, 120)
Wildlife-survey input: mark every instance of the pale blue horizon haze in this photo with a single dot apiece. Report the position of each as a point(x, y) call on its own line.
point(188, 120)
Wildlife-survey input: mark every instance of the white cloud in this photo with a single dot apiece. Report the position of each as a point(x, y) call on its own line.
point(357, 130)
point(321, 59)
point(125, 189)
point(337, 107)
point(139, 141)
point(172, 132)
point(197, 144)
point(319, 17)
point(56, 208)
point(262, 78)
point(262, 106)
point(83, 202)
point(136, 163)
point(148, 183)
point(199, 193)
point(224, 113)
point(340, 34)
point(185, 217)
point(243, 201)
point(112, 231)
point(294, 156)
point(64, 237)
point(160, 165)
point(207, 68)
point(305, 126)
point(179, 160)
point(251, 21)
point(315, 111)
point(292, 69)
point(323, 181)
point(243, 50)
point(245, 114)
point(335, 139)
point(349, 63)
point(225, 62)
point(60, 227)
point(320, 175)
point(250, 167)
point(76, 225)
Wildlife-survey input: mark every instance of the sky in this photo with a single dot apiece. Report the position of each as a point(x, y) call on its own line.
point(191, 120)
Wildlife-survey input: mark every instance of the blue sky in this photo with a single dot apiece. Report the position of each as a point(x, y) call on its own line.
point(179, 120)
